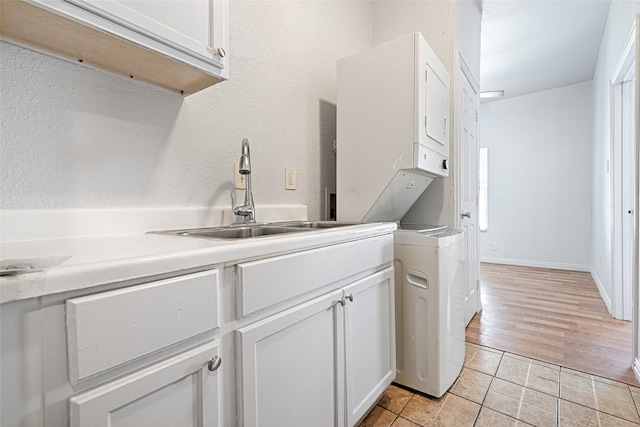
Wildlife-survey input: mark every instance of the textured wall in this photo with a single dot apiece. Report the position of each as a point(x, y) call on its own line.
point(78, 137)
point(540, 173)
point(619, 24)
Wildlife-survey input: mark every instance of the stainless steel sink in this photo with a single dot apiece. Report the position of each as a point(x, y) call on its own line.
point(235, 232)
point(255, 230)
point(316, 224)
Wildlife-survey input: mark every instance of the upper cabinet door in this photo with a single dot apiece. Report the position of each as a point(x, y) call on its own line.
point(180, 45)
point(190, 26)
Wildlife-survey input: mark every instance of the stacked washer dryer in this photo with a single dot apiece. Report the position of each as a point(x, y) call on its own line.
point(392, 142)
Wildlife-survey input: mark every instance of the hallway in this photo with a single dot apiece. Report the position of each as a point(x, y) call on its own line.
point(554, 316)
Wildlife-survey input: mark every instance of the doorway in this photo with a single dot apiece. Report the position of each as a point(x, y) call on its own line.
point(467, 146)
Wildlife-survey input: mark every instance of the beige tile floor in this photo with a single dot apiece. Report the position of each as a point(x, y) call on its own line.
point(498, 389)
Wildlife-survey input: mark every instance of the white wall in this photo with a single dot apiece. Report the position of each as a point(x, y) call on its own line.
point(619, 24)
point(76, 137)
point(468, 31)
point(540, 178)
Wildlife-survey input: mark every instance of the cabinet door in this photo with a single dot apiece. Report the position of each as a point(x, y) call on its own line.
point(369, 322)
point(193, 26)
point(181, 391)
point(289, 367)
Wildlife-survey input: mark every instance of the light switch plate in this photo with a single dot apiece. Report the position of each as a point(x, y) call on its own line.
point(289, 179)
point(238, 179)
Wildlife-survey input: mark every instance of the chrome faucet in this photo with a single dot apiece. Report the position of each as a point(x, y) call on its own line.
point(248, 210)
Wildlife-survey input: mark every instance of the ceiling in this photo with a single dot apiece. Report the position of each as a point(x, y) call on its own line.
point(534, 45)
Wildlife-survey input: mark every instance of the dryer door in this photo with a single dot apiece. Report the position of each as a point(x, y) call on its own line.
point(437, 110)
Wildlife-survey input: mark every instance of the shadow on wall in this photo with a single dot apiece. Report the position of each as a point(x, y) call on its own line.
point(327, 129)
point(429, 206)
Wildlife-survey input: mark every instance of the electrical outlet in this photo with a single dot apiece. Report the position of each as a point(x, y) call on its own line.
point(289, 179)
point(494, 246)
point(238, 179)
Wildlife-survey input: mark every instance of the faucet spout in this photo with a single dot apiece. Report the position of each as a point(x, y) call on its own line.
point(247, 211)
point(245, 158)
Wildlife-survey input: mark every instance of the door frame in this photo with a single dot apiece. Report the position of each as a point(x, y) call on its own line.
point(621, 291)
point(636, 220)
point(462, 66)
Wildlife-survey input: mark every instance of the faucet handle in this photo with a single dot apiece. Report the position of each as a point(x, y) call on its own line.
point(244, 211)
point(233, 202)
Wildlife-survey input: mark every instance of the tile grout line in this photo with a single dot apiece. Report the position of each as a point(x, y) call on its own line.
point(524, 387)
point(599, 413)
point(593, 385)
point(595, 399)
point(493, 377)
point(558, 397)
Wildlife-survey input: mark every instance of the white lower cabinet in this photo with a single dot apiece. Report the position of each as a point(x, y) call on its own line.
point(307, 337)
point(289, 367)
point(147, 354)
point(181, 391)
point(324, 362)
point(370, 345)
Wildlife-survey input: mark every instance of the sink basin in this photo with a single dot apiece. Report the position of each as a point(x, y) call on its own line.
point(316, 224)
point(236, 232)
point(239, 231)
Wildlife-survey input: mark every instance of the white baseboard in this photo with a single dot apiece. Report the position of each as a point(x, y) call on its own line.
point(45, 224)
point(636, 368)
point(605, 297)
point(538, 264)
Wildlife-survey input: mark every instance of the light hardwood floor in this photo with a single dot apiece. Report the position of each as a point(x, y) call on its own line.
point(554, 316)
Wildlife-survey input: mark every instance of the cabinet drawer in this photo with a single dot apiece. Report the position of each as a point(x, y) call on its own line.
point(111, 328)
point(269, 281)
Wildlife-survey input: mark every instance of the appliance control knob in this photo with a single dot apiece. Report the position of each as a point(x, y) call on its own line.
point(445, 164)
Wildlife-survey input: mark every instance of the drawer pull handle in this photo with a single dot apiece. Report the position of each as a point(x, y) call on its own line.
point(214, 363)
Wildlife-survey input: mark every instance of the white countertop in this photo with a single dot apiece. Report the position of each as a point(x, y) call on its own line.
point(84, 262)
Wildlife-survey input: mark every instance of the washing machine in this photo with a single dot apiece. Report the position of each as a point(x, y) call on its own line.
point(430, 293)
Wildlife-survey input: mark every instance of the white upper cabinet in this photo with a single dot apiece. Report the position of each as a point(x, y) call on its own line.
point(186, 26)
point(181, 45)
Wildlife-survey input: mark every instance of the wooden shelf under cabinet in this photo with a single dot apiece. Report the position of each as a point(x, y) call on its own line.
point(45, 31)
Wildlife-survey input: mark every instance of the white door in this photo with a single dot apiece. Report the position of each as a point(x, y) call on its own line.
point(622, 175)
point(369, 321)
point(181, 391)
point(628, 173)
point(467, 119)
point(290, 367)
point(636, 219)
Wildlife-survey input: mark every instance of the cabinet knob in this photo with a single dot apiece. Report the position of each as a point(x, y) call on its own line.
point(350, 297)
point(214, 363)
point(221, 52)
